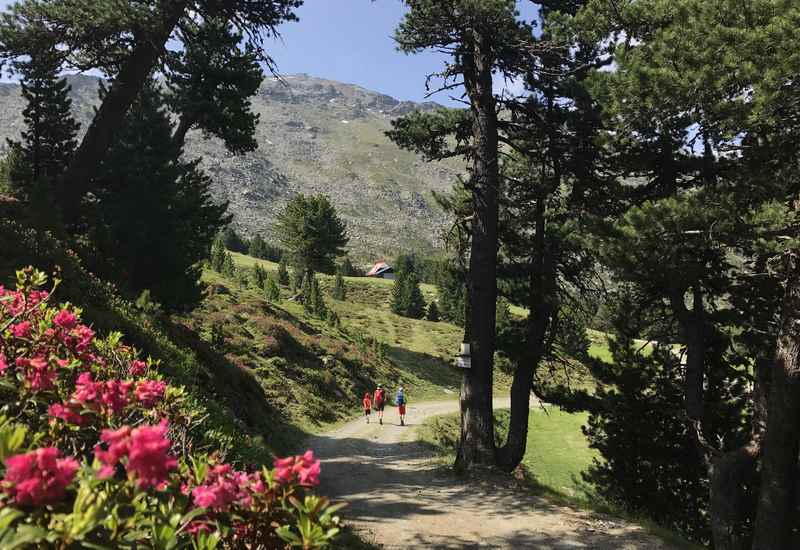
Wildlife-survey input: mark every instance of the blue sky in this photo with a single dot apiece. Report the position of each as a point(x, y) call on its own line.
point(351, 41)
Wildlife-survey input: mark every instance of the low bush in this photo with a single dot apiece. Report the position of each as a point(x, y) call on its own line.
point(96, 449)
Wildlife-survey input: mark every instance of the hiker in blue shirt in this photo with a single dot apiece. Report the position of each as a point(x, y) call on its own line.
point(400, 401)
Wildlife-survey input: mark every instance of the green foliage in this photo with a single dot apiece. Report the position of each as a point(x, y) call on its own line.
point(56, 494)
point(272, 292)
point(339, 291)
point(218, 336)
point(228, 267)
point(452, 294)
point(49, 137)
point(649, 463)
point(283, 272)
point(218, 253)
point(312, 233)
point(407, 297)
point(154, 219)
point(212, 91)
point(259, 275)
point(259, 248)
point(347, 269)
point(433, 312)
point(233, 241)
point(502, 315)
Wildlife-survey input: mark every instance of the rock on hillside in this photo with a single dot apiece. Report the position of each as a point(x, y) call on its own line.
point(315, 136)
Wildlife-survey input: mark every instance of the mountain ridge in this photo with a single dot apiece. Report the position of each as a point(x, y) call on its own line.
point(315, 136)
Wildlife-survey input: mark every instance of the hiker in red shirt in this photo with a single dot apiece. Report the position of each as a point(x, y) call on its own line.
point(367, 402)
point(379, 401)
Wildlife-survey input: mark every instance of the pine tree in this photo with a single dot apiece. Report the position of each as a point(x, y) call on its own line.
point(311, 231)
point(48, 140)
point(298, 280)
point(259, 275)
point(283, 272)
point(333, 319)
point(407, 297)
point(307, 293)
point(257, 248)
point(502, 315)
point(433, 312)
point(318, 306)
point(272, 293)
point(339, 289)
point(218, 255)
point(153, 219)
point(228, 267)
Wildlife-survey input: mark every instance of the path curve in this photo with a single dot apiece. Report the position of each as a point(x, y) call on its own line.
point(400, 498)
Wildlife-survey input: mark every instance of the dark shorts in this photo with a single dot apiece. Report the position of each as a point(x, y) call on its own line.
point(402, 409)
point(367, 411)
point(380, 407)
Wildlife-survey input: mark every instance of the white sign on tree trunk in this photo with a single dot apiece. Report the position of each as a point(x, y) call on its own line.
point(464, 359)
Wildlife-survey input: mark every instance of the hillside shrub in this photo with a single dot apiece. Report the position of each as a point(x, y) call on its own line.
point(96, 451)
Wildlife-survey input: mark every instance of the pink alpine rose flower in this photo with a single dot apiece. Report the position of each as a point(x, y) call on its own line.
point(86, 389)
point(115, 395)
point(23, 329)
point(149, 457)
point(39, 477)
point(65, 319)
point(39, 374)
point(150, 392)
point(67, 413)
point(138, 368)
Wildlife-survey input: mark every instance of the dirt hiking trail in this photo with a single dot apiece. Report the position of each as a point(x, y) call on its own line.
point(401, 499)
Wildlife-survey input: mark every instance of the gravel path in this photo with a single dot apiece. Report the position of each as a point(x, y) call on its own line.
point(401, 499)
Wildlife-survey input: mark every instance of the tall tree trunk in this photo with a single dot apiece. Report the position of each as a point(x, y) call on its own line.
point(777, 513)
point(185, 124)
point(77, 179)
point(477, 421)
point(539, 319)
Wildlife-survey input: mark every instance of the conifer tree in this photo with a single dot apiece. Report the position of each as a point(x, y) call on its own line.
point(433, 312)
point(228, 267)
point(407, 297)
point(128, 42)
point(283, 272)
point(49, 138)
point(259, 275)
point(218, 254)
point(272, 293)
point(339, 290)
point(318, 305)
point(257, 248)
point(312, 233)
point(153, 217)
point(483, 39)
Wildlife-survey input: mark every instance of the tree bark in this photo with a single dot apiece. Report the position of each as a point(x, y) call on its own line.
point(777, 514)
point(476, 446)
point(539, 319)
point(77, 179)
point(184, 125)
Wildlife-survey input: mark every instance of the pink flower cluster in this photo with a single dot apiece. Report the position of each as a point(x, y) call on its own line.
point(146, 450)
point(39, 374)
point(15, 301)
point(301, 469)
point(39, 477)
point(225, 486)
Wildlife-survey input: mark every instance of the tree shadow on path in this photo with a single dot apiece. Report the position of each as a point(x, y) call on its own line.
point(403, 499)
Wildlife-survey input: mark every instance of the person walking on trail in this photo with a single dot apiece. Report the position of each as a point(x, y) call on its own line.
point(367, 403)
point(400, 401)
point(379, 402)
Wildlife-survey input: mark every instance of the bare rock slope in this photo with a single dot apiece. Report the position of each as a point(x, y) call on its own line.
point(315, 136)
